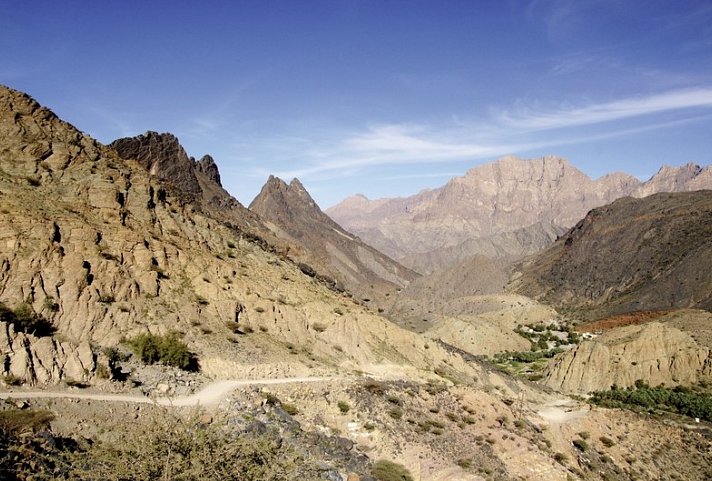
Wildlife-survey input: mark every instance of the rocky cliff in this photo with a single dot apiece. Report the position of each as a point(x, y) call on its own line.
point(497, 198)
point(101, 249)
point(631, 255)
point(293, 214)
point(656, 353)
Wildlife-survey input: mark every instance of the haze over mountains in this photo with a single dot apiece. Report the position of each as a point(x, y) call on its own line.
point(498, 198)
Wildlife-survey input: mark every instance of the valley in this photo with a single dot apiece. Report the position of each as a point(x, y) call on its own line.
point(459, 333)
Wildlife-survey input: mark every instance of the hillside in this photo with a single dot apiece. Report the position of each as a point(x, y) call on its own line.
point(674, 349)
point(103, 250)
point(631, 255)
point(504, 248)
point(497, 198)
point(292, 213)
point(299, 381)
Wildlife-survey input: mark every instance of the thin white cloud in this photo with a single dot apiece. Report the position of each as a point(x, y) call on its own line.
point(526, 118)
point(386, 145)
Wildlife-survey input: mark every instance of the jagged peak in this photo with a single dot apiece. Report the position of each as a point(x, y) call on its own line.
point(209, 168)
point(163, 156)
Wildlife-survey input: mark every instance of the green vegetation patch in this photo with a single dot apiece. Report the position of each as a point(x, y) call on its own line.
point(679, 400)
point(168, 349)
point(389, 471)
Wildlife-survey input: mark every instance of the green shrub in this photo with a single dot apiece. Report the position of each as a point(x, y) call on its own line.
point(561, 458)
point(396, 413)
point(607, 442)
point(290, 409)
point(580, 444)
point(24, 319)
point(343, 407)
point(389, 471)
point(17, 421)
point(167, 349)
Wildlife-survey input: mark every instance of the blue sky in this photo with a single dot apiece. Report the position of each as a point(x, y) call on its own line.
point(379, 97)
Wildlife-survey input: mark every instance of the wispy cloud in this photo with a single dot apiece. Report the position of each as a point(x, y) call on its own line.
point(506, 132)
point(528, 118)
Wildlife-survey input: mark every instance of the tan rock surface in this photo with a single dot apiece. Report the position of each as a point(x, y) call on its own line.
point(497, 198)
point(655, 353)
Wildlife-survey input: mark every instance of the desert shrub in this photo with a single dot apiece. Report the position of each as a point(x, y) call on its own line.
point(464, 463)
point(169, 446)
point(389, 471)
point(343, 407)
point(561, 458)
point(290, 409)
point(374, 387)
point(167, 349)
point(607, 442)
point(18, 421)
point(24, 319)
point(580, 444)
point(396, 413)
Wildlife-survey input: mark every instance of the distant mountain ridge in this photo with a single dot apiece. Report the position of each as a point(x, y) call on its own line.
point(496, 198)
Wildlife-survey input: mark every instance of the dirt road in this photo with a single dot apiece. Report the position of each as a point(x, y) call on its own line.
point(211, 394)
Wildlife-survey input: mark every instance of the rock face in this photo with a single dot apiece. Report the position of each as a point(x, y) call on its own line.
point(164, 157)
point(496, 198)
point(207, 166)
point(504, 249)
point(655, 353)
point(104, 250)
point(631, 255)
point(358, 267)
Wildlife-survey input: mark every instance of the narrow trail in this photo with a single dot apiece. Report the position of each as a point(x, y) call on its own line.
point(211, 394)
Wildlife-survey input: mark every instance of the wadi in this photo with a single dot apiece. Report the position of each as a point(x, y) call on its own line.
point(152, 327)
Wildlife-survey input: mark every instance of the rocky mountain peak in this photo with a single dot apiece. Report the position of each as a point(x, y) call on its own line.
point(207, 166)
point(277, 198)
point(164, 157)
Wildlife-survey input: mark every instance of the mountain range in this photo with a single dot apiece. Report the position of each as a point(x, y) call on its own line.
point(104, 247)
point(495, 199)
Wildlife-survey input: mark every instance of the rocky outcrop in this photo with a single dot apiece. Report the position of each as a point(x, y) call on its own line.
point(676, 179)
point(359, 268)
point(206, 165)
point(104, 250)
point(497, 198)
point(162, 156)
point(634, 254)
point(44, 360)
point(654, 353)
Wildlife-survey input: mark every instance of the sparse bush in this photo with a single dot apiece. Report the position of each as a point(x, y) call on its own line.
point(290, 409)
point(464, 463)
point(607, 442)
point(580, 444)
point(17, 421)
point(24, 319)
point(169, 446)
point(344, 407)
point(389, 471)
point(561, 458)
point(396, 413)
point(167, 349)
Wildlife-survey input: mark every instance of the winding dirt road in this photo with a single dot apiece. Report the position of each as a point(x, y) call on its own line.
point(211, 394)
